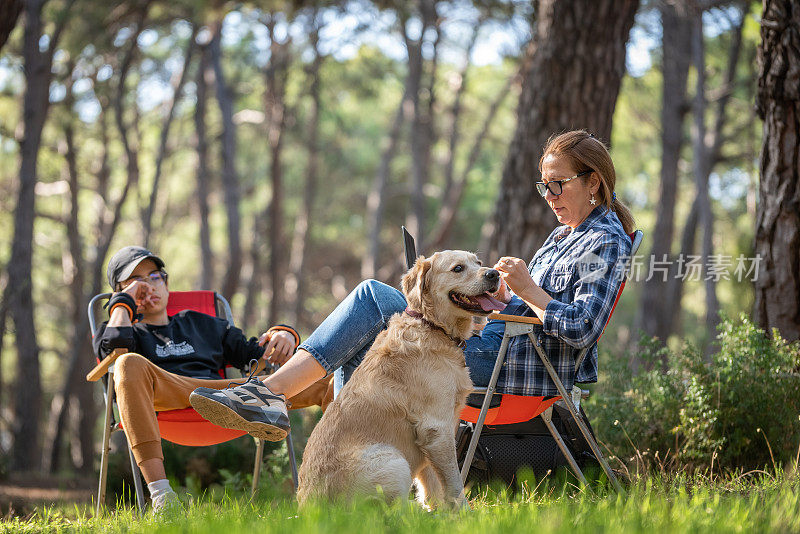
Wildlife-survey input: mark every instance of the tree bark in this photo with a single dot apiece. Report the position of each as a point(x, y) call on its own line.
point(295, 285)
point(455, 113)
point(230, 179)
point(9, 14)
point(701, 166)
point(18, 295)
point(777, 240)
point(177, 89)
point(421, 119)
point(79, 346)
point(706, 148)
point(131, 150)
point(377, 194)
point(204, 79)
point(275, 108)
point(78, 364)
point(455, 188)
point(654, 318)
point(577, 64)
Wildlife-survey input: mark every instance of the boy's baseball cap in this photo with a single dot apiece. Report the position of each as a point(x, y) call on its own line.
point(126, 260)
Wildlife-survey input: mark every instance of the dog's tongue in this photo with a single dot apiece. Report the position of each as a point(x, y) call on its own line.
point(489, 303)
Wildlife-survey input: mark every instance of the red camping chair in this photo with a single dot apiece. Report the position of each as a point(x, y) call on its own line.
point(517, 409)
point(185, 426)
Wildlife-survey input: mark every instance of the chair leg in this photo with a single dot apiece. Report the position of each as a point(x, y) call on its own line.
point(575, 415)
point(547, 417)
point(259, 459)
point(292, 460)
point(137, 481)
point(487, 399)
point(106, 449)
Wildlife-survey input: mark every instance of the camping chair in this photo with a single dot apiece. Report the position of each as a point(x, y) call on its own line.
point(516, 409)
point(185, 426)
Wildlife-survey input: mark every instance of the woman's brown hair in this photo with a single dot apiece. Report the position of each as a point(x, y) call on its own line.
point(585, 152)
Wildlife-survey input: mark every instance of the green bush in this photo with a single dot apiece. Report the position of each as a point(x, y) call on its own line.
point(737, 408)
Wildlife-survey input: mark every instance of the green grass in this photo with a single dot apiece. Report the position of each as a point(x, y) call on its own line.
point(757, 502)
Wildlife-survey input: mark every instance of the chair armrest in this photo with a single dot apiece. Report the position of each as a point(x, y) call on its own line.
point(513, 318)
point(102, 368)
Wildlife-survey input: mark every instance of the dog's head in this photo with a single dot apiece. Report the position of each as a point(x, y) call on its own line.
point(450, 287)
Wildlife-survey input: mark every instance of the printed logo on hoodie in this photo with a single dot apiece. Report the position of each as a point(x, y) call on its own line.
point(174, 349)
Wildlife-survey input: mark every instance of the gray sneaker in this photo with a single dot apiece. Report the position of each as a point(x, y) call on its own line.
point(251, 407)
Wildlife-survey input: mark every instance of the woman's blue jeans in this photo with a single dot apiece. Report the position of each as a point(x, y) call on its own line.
point(343, 338)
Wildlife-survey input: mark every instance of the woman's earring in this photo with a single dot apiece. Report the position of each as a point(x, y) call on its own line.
point(592, 201)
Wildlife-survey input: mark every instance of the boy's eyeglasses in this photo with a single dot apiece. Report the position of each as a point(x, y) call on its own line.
point(556, 186)
point(154, 278)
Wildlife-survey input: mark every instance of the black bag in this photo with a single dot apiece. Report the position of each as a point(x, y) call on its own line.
point(505, 449)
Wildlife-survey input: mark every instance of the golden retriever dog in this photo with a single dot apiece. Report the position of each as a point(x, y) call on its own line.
point(394, 421)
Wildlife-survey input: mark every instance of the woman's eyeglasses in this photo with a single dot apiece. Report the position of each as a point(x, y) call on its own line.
point(556, 186)
point(154, 278)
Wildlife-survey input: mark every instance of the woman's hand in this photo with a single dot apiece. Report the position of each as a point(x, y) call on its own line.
point(279, 346)
point(514, 273)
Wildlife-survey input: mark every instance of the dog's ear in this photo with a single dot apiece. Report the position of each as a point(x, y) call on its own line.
point(414, 282)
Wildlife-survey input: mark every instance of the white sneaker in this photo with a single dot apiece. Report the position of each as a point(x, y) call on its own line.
point(165, 502)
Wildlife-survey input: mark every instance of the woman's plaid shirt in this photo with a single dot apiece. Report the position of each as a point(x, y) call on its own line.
point(582, 271)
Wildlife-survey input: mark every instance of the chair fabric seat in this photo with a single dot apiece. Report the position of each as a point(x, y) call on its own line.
point(187, 427)
point(512, 409)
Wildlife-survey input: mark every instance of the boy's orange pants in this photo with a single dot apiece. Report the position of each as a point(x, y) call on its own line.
point(143, 389)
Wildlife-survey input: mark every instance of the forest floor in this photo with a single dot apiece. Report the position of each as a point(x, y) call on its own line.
point(21, 496)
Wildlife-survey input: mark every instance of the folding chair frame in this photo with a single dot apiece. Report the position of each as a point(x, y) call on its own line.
point(111, 425)
point(517, 326)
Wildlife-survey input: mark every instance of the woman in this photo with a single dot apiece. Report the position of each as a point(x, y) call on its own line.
point(570, 285)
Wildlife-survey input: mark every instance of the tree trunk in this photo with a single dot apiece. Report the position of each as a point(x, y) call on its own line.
point(777, 240)
point(295, 285)
point(79, 348)
point(9, 14)
point(706, 149)
point(254, 284)
point(377, 194)
point(3, 317)
point(700, 168)
point(18, 297)
point(204, 76)
point(78, 363)
point(131, 150)
point(421, 120)
point(654, 318)
point(455, 188)
point(230, 179)
point(577, 64)
point(18, 294)
point(275, 108)
point(455, 113)
point(177, 89)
